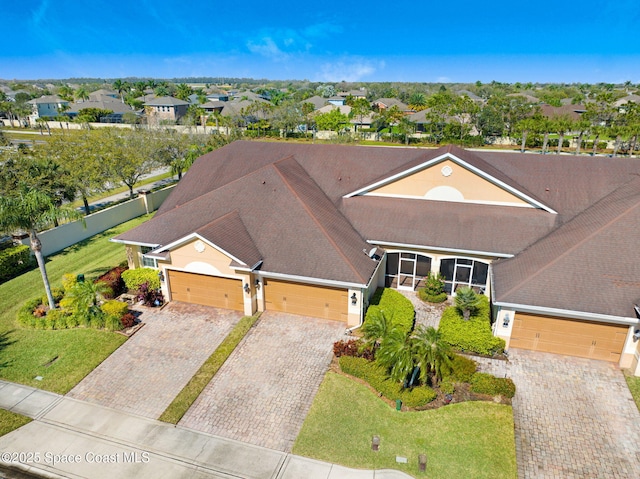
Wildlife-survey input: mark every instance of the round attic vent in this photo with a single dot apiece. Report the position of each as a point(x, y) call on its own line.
point(199, 246)
point(446, 170)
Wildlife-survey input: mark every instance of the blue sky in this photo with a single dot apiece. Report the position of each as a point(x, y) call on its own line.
point(428, 41)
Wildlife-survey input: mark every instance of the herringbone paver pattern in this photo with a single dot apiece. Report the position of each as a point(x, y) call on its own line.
point(263, 392)
point(148, 371)
point(574, 418)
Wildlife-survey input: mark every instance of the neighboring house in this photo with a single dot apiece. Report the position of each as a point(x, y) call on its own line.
point(104, 103)
point(315, 229)
point(572, 111)
point(354, 93)
point(47, 106)
point(165, 109)
point(384, 103)
point(356, 121)
point(317, 101)
point(336, 100)
point(104, 95)
point(627, 99)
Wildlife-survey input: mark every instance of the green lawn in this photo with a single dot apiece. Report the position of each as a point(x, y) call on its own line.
point(472, 439)
point(61, 358)
point(10, 421)
point(634, 386)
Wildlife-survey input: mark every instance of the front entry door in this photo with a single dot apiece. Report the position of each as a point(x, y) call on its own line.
point(407, 271)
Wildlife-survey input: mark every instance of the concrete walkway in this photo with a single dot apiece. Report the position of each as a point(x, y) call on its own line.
point(75, 439)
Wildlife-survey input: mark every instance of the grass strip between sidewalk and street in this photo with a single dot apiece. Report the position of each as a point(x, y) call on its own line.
point(634, 387)
point(469, 439)
point(10, 421)
point(207, 371)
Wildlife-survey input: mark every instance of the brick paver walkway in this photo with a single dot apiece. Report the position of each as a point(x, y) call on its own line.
point(574, 418)
point(147, 372)
point(263, 392)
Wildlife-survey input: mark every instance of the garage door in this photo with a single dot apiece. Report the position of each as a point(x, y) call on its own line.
point(565, 336)
point(207, 290)
point(307, 300)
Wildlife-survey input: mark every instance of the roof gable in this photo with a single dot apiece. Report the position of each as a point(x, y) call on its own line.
point(451, 177)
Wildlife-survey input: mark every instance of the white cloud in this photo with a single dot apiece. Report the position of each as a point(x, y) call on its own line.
point(267, 47)
point(443, 80)
point(349, 69)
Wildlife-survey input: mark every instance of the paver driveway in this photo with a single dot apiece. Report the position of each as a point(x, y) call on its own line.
point(148, 371)
point(263, 392)
point(574, 418)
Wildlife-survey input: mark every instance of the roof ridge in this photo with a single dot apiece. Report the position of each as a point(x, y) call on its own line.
point(313, 216)
point(571, 222)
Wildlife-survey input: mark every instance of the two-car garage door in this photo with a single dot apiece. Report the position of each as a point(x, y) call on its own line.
point(566, 336)
point(207, 290)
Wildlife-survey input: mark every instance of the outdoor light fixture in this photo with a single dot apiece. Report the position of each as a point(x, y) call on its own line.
point(636, 335)
point(257, 283)
point(247, 288)
point(354, 299)
point(505, 321)
point(161, 276)
point(422, 462)
point(375, 443)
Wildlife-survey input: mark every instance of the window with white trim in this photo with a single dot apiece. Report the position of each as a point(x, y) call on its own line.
point(148, 262)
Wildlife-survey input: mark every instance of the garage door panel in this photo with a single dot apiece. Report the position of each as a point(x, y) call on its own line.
point(206, 290)
point(306, 300)
point(565, 336)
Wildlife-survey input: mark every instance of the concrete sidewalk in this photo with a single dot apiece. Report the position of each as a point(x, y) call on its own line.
point(75, 439)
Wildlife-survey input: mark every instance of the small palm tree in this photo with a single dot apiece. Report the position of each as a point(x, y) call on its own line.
point(432, 354)
point(467, 302)
point(396, 354)
point(376, 329)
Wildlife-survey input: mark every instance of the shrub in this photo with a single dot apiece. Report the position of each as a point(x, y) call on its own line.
point(113, 279)
point(432, 298)
point(15, 261)
point(69, 281)
point(484, 383)
point(128, 320)
point(447, 386)
point(472, 336)
point(395, 306)
point(57, 293)
point(25, 313)
point(112, 323)
point(352, 347)
point(148, 296)
point(114, 308)
point(467, 302)
point(135, 278)
point(377, 378)
point(462, 369)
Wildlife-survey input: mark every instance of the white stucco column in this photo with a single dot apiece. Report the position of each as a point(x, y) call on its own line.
point(504, 324)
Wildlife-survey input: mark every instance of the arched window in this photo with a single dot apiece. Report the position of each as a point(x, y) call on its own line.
point(464, 272)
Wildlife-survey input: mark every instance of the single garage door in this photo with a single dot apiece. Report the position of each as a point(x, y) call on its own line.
point(566, 336)
point(307, 300)
point(207, 290)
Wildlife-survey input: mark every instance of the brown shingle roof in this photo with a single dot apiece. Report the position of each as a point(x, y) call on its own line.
point(589, 264)
point(229, 233)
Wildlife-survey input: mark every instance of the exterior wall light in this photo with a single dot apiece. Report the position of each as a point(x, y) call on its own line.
point(257, 283)
point(505, 321)
point(636, 335)
point(354, 299)
point(247, 289)
point(161, 276)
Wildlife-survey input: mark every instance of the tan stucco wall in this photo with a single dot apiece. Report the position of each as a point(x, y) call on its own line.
point(209, 261)
point(133, 256)
point(468, 184)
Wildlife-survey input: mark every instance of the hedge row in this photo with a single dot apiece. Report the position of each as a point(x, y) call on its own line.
point(474, 335)
point(14, 261)
point(484, 383)
point(134, 278)
point(377, 378)
point(396, 307)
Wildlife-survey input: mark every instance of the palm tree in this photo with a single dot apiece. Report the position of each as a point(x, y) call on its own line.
point(376, 329)
point(120, 86)
point(563, 124)
point(27, 208)
point(526, 126)
point(467, 301)
point(183, 91)
point(81, 94)
point(582, 126)
point(432, 354)
point(396, 354)
point(84, 297)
